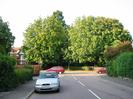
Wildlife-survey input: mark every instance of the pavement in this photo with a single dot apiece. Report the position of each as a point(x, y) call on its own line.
point(21, 92)
point(123, 81)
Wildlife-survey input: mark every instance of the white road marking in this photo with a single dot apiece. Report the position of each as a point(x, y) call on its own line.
point(86, 87)
point(81, 83)
point(75, 78)
point(94, 94)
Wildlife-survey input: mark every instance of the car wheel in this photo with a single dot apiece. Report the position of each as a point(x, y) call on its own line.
point(58, 90)
point(36, 91)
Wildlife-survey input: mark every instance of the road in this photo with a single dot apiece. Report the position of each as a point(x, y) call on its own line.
point(87, 87)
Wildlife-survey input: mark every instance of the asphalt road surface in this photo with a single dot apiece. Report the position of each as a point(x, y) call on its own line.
point(87, 87)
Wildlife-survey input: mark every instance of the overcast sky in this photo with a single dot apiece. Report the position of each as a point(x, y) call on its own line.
point(20, 13)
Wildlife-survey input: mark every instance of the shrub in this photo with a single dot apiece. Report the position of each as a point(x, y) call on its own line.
point(7, 74)
point(122, 65)
point(24, 74)
point(111, 69)
point(115, 50)
point(74, 68)
point(10, 76)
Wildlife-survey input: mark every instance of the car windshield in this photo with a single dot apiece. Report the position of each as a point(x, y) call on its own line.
point(47, 75)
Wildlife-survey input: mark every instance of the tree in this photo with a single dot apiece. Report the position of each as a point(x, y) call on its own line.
point(118, 47)
point(6, 37)
point(89, 36)
point(46, 39)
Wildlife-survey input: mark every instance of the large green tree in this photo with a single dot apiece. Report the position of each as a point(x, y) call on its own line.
point(46, 39)
point(89, 36)
point(6, 37)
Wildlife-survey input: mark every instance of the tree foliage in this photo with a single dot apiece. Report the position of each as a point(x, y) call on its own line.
point(6, 37)
point(46, 39)
point(112, 51)
point(50, 40)
point(90, 36)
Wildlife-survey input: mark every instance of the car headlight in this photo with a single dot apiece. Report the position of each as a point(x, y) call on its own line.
point(54, 84)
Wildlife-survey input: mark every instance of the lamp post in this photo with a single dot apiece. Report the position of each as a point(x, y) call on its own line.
point(132, 43)
point(21, 57)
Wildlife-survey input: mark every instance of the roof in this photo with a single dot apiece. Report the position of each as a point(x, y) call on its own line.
point(16, 49)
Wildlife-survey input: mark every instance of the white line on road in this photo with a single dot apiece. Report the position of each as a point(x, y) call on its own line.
point(88, 89)
point(75, 78)
point(94, 94)
point(81, 83)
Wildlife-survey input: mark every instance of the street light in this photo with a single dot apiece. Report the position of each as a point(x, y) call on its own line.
point(21, 57)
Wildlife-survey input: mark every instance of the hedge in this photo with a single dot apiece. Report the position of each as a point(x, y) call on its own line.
point(7, 74)
point(24, 74)
point(122, 65)
point(10, 76)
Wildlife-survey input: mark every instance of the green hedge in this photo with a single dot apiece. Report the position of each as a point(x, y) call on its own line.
point(24, 74)
point(122, 65)
point(74, 68)
point(7, 74)
point(10, 76)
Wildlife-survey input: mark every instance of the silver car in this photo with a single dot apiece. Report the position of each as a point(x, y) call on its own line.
point(47, 81)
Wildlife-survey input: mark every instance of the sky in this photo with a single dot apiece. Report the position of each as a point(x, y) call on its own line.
point(20, 13)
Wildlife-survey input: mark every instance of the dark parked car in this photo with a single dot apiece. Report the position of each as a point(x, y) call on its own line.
point(57, 69)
